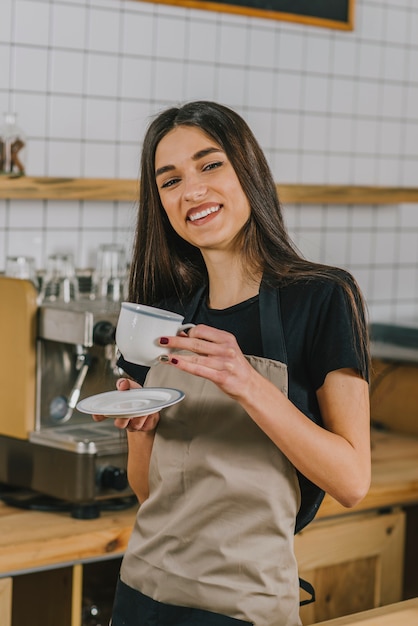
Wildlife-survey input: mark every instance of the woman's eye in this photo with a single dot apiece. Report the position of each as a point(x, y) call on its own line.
point(169, 183)
point(212, 166)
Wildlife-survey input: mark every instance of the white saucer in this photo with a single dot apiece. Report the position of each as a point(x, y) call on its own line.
point(130, 403)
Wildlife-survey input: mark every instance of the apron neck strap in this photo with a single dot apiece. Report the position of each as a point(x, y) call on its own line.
point(194, 304)
point(272, 336)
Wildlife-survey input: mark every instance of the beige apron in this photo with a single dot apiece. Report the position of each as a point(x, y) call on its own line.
point(217, 529)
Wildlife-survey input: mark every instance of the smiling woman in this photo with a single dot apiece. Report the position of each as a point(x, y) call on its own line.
point(274, 373)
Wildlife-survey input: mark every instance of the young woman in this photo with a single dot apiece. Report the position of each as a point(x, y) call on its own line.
point(275, 374)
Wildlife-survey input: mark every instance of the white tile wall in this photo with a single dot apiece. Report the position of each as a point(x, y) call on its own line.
point(31, 20)
point(67, 71)
point(68, 26)
point(85, 76)
point(31, 68)
point(62, 154)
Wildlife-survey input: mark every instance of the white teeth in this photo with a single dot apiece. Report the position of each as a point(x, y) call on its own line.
point(198, 216)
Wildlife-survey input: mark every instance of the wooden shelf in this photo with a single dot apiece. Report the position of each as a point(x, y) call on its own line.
point(32, 188)
point(346, 194)
point(126, 190)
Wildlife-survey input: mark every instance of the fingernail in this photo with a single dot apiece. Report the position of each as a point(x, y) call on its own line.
point(164, 341)
point(163, 358)
point(174, 361)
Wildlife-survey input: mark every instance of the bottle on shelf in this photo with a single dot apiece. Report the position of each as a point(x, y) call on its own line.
point(12, 147)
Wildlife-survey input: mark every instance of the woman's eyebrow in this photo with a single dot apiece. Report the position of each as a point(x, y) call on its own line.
point(202, 153)
point(164, 169)
point(198, 155)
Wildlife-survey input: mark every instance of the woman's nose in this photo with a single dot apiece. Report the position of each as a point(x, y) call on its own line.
point(195, 191)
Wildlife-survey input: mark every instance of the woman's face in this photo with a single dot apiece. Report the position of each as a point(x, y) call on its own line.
point(199, 189)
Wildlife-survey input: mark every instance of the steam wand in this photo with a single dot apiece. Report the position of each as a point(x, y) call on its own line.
point(56, 408)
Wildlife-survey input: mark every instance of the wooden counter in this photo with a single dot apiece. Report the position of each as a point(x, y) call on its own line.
point(31, 540)
point(398, 614)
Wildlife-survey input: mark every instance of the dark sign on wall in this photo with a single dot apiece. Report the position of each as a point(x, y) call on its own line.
point(327, 13)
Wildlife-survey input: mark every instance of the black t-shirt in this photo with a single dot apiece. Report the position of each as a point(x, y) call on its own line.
point(317, 326)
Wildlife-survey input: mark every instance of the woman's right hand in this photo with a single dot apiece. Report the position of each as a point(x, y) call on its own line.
point(145, 423)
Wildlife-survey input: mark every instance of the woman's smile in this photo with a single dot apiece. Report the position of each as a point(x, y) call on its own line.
point(200, 212)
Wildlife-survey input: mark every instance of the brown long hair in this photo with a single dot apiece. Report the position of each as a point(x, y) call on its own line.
point(165, 265)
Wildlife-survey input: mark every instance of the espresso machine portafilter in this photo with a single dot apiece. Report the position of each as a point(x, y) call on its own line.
point(50, 447)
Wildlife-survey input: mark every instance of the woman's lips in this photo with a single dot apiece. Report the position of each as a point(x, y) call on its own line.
point(200, 213)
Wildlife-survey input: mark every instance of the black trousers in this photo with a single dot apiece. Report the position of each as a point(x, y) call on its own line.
point(132, 608)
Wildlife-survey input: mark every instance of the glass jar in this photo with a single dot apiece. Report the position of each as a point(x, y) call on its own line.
point(109, 277)
point(12, 147)
point(60, 282)
point(22, 266)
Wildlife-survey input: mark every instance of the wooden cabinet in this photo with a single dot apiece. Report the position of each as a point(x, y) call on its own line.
point(47, 597)
point(354, 562)
point(76, 595)
point(99, 581)
point(6, 601)
point(54, 567)
point(410, 587)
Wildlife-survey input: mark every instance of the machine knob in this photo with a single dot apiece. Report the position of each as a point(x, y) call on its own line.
point(103, 333)
point(113, 477)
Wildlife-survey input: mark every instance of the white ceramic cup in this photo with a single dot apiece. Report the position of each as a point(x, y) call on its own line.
point(139, 329)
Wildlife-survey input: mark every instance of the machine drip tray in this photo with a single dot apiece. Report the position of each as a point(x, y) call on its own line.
point(89, 438)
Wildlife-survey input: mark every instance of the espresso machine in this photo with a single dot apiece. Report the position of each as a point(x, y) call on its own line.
point(55, 354)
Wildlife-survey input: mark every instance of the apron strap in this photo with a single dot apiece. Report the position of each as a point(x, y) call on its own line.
point(274, 347)
point(303, 584)
point(272, 335)
point(194, 305)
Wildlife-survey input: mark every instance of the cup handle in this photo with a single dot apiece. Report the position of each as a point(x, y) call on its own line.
point(185, 327)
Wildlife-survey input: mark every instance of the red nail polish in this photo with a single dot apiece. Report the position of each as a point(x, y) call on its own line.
point(174, 361)
point(164, 341)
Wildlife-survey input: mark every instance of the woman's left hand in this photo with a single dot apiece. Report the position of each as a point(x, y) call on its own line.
point(212, 354)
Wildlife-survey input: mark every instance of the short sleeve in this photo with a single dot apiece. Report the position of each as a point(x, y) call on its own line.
point(334, 342)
